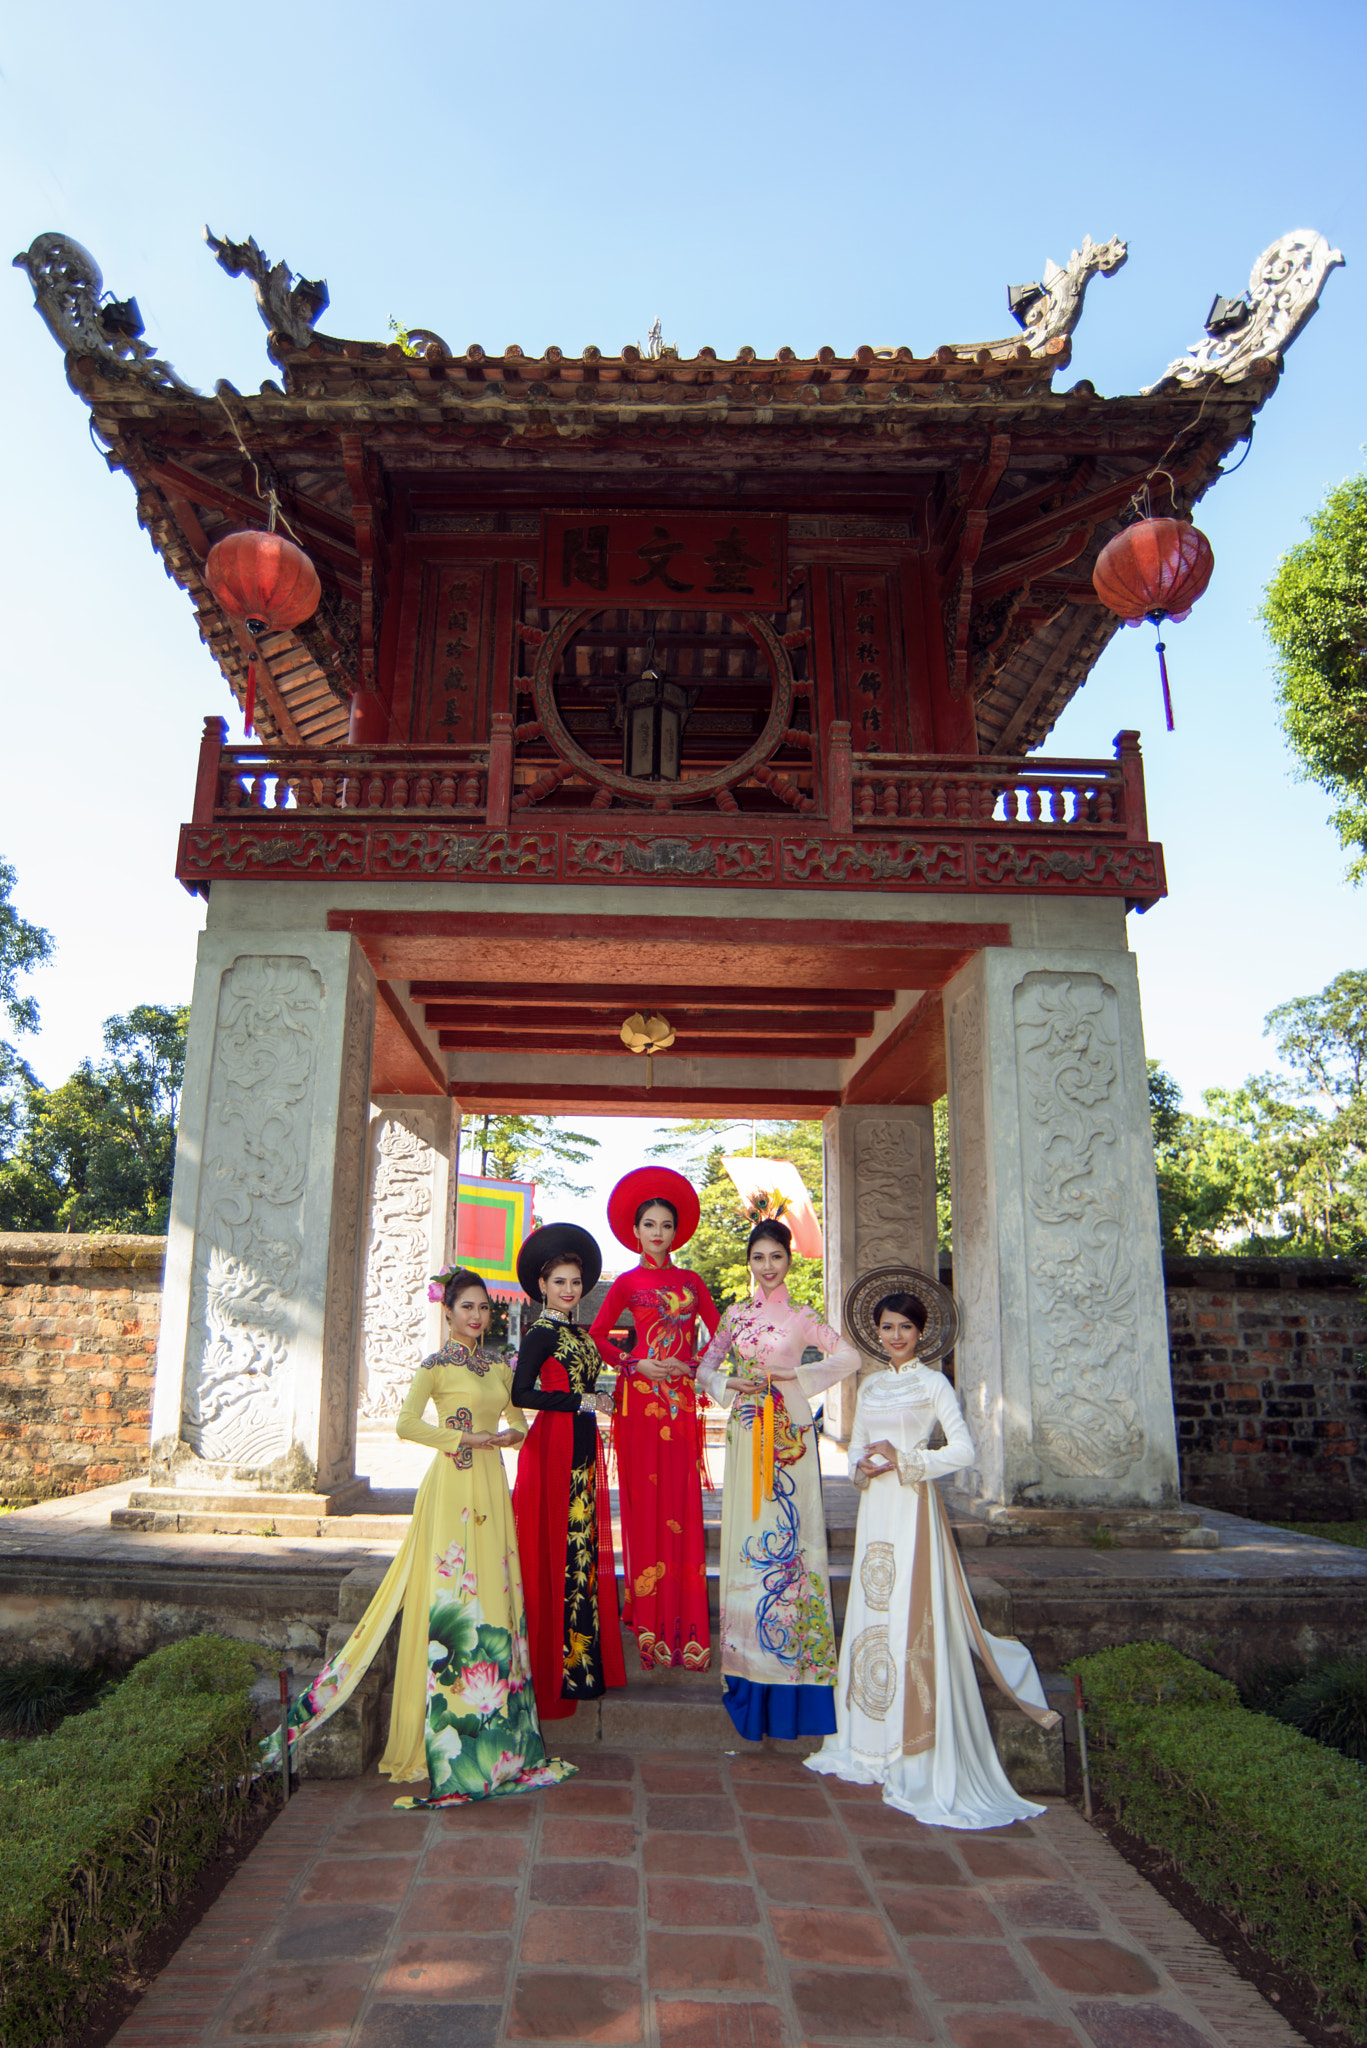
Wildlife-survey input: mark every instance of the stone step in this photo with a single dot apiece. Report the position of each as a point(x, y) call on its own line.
point(260, 1522)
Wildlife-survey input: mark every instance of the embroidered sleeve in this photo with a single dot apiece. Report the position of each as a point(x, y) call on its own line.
point(841, 1358)
point(712, 1373)
point(536, 1347)
point(604, 1320)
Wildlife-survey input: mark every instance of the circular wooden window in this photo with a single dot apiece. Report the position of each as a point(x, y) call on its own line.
point(575, 633)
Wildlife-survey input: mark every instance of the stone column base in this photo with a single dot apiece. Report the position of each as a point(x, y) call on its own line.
point(1077, 1528)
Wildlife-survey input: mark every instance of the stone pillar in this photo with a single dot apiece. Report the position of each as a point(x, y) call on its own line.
point(878, 1209)
point(414, 1150)
point(256, 1367)
point(1062, 1362)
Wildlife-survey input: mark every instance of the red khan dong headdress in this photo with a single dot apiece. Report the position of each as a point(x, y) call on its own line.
point(652, 1184)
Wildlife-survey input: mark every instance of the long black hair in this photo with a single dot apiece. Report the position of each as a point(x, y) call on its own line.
point(456, 1284)
point(770, 1227)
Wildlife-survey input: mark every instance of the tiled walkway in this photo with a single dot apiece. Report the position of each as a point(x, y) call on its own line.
point(688, 1901)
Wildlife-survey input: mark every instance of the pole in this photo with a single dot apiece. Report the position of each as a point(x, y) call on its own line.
point(284, 1737)
point(1082, 1750)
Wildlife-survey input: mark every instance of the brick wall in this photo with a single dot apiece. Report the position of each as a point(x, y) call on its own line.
point(1269, 1381)
point(78, 1335)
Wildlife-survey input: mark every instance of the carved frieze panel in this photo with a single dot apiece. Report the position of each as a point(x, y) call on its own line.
point(432, 852)
point(1082, 1286)
point(714, 860)
point(248, 850)
point(394, 1324)
point(856, 863)
point(243, 1321)
point(1128, 870)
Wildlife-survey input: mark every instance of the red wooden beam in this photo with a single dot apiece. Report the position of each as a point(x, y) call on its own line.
point(693, 1047)
point(404, 1064)
point(909, 1066)
point(759, 1027)
point(665, 1098)
point(593, 995)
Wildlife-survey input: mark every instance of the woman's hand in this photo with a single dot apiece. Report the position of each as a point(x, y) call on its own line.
point(878, 1459)
point(508, 1438)
point(657, 1368)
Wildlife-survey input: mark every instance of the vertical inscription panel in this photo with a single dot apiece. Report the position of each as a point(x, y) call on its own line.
point(870, 660)
point(249, 1244)
point(403, 1161)
point(1079, 1225)
point(455, 642)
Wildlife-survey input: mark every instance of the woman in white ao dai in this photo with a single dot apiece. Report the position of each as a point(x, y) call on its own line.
point(909, 1716)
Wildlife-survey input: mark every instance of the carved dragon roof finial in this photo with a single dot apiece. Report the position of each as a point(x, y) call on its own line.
point(286, 308)
point(1283, 293)
point(85, 319)
point(1051, 310)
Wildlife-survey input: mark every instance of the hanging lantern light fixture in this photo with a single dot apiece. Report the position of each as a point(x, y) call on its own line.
point(1155, 569)
point(652, 710)
point(267, 584)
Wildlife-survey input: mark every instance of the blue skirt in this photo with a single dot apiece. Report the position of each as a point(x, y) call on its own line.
point(784, 1711)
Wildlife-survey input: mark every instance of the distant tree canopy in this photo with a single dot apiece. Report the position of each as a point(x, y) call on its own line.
point(1280, 1164)
point(1315, 612)
point(524, 1148)
point(717, 1252)
point(97, 1153)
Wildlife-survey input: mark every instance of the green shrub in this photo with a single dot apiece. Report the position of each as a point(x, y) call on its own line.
point(38, 1693)
point(105, 1822)
point(1259, 1819)
point(1329, 1704)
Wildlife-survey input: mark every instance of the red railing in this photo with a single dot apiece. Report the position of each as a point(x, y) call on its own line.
point(241, 782)
point(1082, 796)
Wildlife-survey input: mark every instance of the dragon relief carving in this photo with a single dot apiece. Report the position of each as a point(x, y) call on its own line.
point(1051, 309)
point(394, 1321)
point(1284, 289)
point(1081, 1277)
point(288, 308)
point(248, 1240)
point(86, 320)
point(341, 1335)
point(888, 1203)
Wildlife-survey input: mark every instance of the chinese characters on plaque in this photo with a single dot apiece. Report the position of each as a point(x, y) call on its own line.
point(452, 712)
point(705, 560)
point(866, 640)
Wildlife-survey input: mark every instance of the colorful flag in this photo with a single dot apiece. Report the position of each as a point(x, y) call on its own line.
point(493, 1219)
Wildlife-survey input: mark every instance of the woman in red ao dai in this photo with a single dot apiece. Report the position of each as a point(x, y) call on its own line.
point(657, 1428)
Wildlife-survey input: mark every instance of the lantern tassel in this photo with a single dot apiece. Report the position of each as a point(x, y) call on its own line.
point(1167, 694)
point(249, 698)
point(757, 1461)
point(769, 1445)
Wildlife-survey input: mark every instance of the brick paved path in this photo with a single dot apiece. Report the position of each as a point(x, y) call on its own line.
point(686, 1900)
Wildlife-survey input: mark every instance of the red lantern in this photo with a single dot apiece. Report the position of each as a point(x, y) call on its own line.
point(268, 583)
point(1155, 570)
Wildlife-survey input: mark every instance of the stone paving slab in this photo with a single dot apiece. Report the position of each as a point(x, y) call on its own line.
point(688, 1901)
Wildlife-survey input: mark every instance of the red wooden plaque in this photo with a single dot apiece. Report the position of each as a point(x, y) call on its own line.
point(869, 660)
point(451, 707)
point(711, 561)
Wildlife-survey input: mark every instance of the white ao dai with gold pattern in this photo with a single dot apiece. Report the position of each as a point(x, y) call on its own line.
point(909, 1716)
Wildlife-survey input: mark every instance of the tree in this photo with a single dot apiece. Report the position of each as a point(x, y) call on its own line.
point(1280, 1164)
point(1315, 613)
point(97, 1153)
point(23, 947)
point(535, 1148)
point(717, 1251)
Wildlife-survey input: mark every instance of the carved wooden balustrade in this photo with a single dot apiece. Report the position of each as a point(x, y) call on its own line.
point(872, 821)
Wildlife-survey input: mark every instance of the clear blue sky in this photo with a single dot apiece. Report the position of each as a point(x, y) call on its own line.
point(755, 173)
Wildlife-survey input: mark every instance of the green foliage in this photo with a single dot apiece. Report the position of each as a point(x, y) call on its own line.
point(1354, 1533)
point(1328, 1703)
point(23, 947)
point(1280, 1164)
point(536, 1148)
point(1315, 613)
point(41, 1691)
point(944, 1217)
point(400, 334)
point(717, 1251)
point(1259, 1819)
point(104, 1823)
point(97, 1153)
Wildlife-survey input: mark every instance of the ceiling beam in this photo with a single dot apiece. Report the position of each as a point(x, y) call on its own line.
point(696, 1046)
point(593, 995)
point(748, 1025)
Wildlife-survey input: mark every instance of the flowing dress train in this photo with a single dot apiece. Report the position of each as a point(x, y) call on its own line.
point(464, 1712)
point(778, 1656)
point(909, 1715)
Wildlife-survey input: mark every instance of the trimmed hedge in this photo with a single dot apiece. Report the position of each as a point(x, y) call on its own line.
point(1258, 1818)
point(105, 1822)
